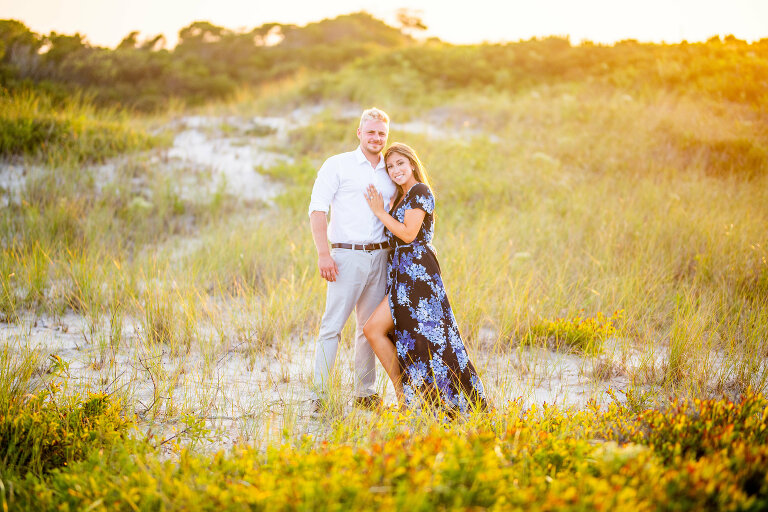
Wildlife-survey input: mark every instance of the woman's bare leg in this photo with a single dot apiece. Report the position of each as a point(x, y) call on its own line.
point(375, 330)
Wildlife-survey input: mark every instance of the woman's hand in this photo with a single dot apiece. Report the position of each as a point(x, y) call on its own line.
point(375, 201)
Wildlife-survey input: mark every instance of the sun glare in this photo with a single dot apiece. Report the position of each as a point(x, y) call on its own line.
point(106, 23)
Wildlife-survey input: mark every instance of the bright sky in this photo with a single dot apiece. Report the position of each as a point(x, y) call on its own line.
point(106, 22)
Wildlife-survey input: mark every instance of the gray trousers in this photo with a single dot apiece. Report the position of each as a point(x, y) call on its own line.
point(360, 286)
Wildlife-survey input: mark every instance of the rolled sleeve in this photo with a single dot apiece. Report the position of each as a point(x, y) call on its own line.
point(326, 184)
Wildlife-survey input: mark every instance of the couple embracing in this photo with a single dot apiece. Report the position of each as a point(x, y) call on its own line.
point(381, 264)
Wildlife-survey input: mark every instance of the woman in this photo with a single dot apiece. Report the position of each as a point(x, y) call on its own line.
point(428, 360)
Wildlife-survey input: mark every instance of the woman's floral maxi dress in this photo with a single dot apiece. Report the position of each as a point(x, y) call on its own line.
point(432, 357)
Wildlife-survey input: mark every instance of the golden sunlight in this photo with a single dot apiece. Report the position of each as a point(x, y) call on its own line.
point(106, 23)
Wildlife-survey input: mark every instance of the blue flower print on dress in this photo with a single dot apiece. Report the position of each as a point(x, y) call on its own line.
point(417, 373)
point(430, 351)
point(438, 289)
point(411, 398)
point(477, 384)
point(439, 370)
point(403, 298)
point(433, 332)
point(429, 309)
point(425, 202)
point(458, 348)
point(404, 343)
point(418, 251)
point(462, 403)
point(404, 262)
point(417, 272)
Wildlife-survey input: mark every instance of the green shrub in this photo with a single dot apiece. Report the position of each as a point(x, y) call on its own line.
point(30, 135)
point(691, 429)
point(35, 124)
point(543, 459)
point(44, 430)
point(585, 334)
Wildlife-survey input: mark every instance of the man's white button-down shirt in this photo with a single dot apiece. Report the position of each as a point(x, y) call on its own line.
point(341, 184)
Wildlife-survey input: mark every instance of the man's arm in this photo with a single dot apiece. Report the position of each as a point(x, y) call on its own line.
point(325, 263)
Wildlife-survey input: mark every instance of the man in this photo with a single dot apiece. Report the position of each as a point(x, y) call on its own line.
point(355, 266)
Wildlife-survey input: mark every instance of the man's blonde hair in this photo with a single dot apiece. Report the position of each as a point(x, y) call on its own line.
point(374, 114)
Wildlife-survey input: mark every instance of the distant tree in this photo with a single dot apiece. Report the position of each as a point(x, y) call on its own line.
point(211, 62)
point(154, 44)
point(15, 34)
point(61, 46)
point(18, 49)
point(356, 28)
point(129, 41)
point(201, 32)
point(410, 20)
point(268, 34)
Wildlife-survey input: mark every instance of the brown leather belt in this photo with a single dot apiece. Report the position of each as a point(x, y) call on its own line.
point(362, 247)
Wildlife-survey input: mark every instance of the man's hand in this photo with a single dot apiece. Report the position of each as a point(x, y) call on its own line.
point(327, 267)
point(325, 264)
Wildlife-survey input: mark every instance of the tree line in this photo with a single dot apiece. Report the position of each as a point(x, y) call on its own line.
point(211, 62)
point(208, 62)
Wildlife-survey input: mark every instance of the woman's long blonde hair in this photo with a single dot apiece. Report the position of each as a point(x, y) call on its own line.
point(419, 172)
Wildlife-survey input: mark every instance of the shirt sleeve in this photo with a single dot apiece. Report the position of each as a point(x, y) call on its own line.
point(325, 187)
point(422, 198)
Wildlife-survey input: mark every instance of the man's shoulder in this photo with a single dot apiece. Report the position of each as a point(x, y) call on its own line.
point(340, 160)
point(342, 156)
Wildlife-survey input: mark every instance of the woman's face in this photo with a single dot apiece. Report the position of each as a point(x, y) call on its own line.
point(400, 169)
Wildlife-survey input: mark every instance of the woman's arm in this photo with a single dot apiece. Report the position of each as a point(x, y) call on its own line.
point(405, 231)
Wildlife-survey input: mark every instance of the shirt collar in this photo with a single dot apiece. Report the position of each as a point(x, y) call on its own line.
point(360, 156)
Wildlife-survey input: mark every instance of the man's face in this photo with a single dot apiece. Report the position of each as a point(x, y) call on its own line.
point(373, 136)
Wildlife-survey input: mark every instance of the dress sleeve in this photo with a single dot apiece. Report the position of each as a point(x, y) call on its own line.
point(422, 198)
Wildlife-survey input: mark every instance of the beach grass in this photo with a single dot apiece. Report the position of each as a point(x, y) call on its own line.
point(627, 231)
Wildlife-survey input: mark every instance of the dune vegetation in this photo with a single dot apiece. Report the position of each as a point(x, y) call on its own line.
point(600, 204)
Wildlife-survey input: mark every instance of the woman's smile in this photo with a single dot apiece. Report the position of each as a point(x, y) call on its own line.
point(400, 169)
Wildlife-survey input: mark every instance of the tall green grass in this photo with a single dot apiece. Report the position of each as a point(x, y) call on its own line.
point(571, 202)
point(557, 207)
point(72, 130)
point(586, 201)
